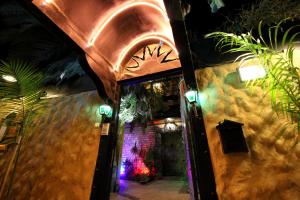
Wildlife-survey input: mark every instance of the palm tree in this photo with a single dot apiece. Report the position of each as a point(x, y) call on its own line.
point(20, 90)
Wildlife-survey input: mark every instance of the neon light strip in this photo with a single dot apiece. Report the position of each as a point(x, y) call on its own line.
point(47, 2)
point(139, 39)
point(99, 28)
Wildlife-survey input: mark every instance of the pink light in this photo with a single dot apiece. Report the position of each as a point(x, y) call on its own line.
point(144, 37)
point(143, 170)
point(99, 28)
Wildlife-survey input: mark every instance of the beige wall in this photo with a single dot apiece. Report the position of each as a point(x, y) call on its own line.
point(59, 159)
point(271, 170)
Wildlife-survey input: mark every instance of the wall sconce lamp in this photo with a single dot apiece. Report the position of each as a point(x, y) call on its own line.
point(170, 127)
point(9, 78)
point(105, 110)
point(191, 96)
point(252, 72)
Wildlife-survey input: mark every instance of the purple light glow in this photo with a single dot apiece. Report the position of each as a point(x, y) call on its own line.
point(143, 140)
point(122, 170)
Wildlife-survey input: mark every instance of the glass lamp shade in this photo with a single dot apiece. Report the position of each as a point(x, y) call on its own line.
point(191, 96)
point(105, 110)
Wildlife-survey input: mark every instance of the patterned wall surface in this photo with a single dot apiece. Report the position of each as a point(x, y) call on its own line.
point(59, 159)
point(271, 169)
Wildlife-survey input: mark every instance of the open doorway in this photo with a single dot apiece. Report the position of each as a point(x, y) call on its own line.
point(152, 160)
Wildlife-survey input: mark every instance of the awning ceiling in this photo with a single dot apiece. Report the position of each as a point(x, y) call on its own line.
point(112, 31)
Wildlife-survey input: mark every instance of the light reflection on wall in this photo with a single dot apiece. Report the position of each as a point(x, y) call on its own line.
point(202, 98)
point(207, 98)
point(120, 9)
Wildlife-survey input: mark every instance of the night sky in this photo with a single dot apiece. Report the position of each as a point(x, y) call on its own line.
point(203, 21)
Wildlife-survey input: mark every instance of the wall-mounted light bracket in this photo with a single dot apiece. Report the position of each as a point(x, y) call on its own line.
point(192, 96)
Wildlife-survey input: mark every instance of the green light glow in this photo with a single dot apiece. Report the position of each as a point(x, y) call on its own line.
point(191, 95)
point(201, 98)
point(105, 110)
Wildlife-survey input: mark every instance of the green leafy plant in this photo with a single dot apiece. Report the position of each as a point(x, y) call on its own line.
point(150, 161)
point(276, 53)
point(134, 107)
point(19, 96)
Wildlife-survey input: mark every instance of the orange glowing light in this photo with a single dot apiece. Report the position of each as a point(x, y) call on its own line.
point(99, 28)
point(139, 39)
point(140, 167)
point(145, 170)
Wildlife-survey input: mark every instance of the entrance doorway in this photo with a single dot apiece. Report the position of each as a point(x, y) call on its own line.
point(172, 158)
point(151, 163)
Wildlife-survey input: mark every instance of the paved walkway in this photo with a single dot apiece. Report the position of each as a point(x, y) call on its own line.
point(165, 189)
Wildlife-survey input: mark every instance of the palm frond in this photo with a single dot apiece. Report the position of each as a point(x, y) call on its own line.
point(282, 81)
point(20, 96)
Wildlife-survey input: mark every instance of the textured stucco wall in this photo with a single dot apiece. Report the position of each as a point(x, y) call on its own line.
point(271, 169)
point(59, 159)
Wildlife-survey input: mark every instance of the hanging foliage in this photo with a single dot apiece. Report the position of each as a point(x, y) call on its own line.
point(128, 108)
point(135, 108)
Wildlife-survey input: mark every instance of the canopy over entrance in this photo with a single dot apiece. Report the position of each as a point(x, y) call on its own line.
point(122, 39)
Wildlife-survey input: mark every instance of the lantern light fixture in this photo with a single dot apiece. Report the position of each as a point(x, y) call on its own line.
point(191, 96)
point(105, 110)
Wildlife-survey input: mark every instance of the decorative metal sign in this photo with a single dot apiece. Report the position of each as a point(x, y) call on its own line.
point(105, 129)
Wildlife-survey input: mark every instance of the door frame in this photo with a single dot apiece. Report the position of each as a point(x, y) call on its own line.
point(203, 176)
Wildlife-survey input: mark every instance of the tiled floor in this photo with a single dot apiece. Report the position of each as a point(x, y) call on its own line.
point(165, 189)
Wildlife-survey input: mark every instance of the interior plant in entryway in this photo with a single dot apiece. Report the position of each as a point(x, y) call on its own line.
point(19, 94)
point(141, 167)
point(276, 53)
point(135, 107)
